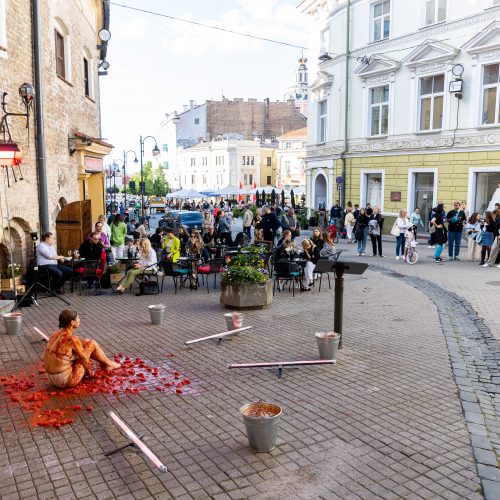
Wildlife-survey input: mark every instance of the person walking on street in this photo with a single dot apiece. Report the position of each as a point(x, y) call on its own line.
point(440, 231)
point(361, 231)
point(416, 220)
point(336, 215)
point(225, 225)
point(247, 222)
point(472, 229)
point(118, 233)
point(375, 227)
point(289, 221)
point(486, 238)
point(349, 223)
point(270, 224)
point(403, 224)
point(494, 258)
point(456, 218)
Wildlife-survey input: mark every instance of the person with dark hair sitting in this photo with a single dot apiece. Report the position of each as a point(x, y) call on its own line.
point(47, 259)
point(67, 359)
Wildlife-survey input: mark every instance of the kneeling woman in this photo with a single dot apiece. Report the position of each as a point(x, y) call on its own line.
point(67, 358)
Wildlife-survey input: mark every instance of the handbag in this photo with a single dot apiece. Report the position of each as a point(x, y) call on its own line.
point(479, 237)
point(395, 229)
point(148, 287)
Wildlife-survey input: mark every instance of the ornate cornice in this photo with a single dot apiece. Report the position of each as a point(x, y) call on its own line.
point(406, 144)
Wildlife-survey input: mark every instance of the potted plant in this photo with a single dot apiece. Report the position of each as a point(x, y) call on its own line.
point(115, 274)
point(11, 275)
point(245, 283)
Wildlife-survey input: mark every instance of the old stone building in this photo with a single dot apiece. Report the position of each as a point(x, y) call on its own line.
point(227, 119)
point(68, 40)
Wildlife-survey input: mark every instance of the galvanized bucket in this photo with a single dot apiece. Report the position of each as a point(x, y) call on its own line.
point(13, 323)
point(234, 320)
point(328, 344)
point(157, 313)
point(261, 422)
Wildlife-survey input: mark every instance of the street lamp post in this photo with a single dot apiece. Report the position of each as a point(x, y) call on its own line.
point(125, 157)
point(116, 168)
point(155, 153)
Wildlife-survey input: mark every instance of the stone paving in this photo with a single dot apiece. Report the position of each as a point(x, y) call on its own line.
point(385, 422)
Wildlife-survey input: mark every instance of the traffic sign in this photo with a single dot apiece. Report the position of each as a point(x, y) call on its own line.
point(340, 180)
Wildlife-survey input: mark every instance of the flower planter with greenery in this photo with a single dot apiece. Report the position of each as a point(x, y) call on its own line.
point(245, 283)
point(6, 275)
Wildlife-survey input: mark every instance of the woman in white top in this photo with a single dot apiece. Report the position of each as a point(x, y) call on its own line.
point(403, 224)
point(349, 223)
point(147, 259)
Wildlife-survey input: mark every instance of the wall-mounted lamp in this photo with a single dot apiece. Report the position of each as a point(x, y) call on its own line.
point(325, 57)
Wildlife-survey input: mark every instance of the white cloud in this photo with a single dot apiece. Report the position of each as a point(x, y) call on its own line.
point(263, 18)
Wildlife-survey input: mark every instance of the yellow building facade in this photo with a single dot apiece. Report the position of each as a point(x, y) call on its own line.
point(268, 167)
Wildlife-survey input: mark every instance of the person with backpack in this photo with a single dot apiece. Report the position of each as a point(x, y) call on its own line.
point(375, 227)
point(456, 218)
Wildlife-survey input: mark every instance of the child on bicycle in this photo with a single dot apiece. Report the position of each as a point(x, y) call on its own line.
point(410, 241)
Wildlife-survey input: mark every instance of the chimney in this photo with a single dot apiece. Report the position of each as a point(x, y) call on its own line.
point(186, 107)
point(251, 99)
point(191, 104)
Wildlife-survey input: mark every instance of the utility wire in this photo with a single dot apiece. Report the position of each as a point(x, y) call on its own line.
point(209, 26)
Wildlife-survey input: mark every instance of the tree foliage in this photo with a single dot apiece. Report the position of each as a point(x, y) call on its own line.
point(155, 182)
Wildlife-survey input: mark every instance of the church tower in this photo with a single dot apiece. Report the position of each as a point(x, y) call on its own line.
point(299, 91)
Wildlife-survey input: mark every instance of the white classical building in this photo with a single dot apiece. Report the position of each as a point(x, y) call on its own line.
point(404, 102)
point(290, 159)
point(215, 165)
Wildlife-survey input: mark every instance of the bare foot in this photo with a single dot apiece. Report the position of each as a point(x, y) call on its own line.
point(112, 366)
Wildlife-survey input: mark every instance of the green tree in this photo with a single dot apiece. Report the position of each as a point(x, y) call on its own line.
point(160, 184)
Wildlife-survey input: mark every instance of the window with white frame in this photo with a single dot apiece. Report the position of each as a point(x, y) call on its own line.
point(288, 145)
point(381, 20)
point(322, 121)
point(435, 11)
point(487, 191)
point(491, 95)
point(431, 102)
point(3, 28)
point(62, 51)
point(324, 40)
point(379, 110)
point(88, 74)
point(373, 189)
point(193, 162)
point(204, 161)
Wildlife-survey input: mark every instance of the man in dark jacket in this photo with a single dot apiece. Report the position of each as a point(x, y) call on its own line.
point(336, 214)
point(270, 224)
point(455, 218)
point(92, 248)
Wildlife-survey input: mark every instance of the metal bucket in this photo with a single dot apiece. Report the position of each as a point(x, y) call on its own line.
point(234, 320)
point(13, 323)
point(157, 313)
point(328, 344)
point(261, 422)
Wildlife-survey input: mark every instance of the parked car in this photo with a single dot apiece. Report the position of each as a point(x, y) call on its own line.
point(176, 218)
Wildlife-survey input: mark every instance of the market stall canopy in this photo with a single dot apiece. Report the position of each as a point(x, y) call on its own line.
point(185, 194)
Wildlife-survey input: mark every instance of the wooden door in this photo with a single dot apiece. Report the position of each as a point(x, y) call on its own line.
point(73, 225)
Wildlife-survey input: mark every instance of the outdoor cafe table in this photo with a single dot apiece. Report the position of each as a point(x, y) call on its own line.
point(74, 264)
point(128, 261)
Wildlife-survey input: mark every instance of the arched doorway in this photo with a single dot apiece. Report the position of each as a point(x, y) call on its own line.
point(320, 192)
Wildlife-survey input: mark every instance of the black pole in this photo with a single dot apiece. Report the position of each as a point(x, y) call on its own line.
point(339, 301)
point(123, 183)
point(41, 163)
point(142, 180)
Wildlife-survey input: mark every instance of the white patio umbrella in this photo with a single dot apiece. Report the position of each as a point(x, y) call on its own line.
point(183, 194)
point(231, 190)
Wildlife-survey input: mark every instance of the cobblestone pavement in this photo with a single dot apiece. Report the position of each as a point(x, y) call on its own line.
point(385, 422)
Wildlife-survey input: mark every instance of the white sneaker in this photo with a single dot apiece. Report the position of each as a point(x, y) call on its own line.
point(498, 265)
point(358, 254)
point(486, 265)
point(397, 258)
point(363, 253)
point(417, 243)
point(431, 246)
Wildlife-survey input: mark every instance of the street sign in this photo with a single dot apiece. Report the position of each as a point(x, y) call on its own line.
point(340, 180)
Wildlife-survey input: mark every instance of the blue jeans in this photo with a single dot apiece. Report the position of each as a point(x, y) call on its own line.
point(454, 238)
point(438, 251)
point(362, 241)
point(400, 245)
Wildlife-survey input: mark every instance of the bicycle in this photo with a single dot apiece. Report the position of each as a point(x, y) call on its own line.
point(412, 256)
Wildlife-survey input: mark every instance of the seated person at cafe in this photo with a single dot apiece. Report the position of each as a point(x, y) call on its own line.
point(67, 359)
point(285, 236)
point(102, 235)
point(157, 238)
point(196, 248)
point(143, 229)
point(183, 236)
point(210, 240)
point(92, 248)
point(286, 251)
point(146, 264)
point(171, 246)
point(48, 260)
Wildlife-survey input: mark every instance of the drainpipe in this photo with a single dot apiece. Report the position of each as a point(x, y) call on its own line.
point(346, 102)
point(39, 125)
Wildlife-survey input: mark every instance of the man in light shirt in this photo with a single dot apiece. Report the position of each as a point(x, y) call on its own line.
point(47, 258)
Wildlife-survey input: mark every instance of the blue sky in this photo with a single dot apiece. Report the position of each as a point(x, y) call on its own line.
point(157, 65)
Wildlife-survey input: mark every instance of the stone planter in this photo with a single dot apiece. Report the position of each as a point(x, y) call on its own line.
point(7, 283)
point(246, 295)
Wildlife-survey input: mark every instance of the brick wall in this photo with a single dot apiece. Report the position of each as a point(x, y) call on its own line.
point(66, 109)
point(252, 118)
